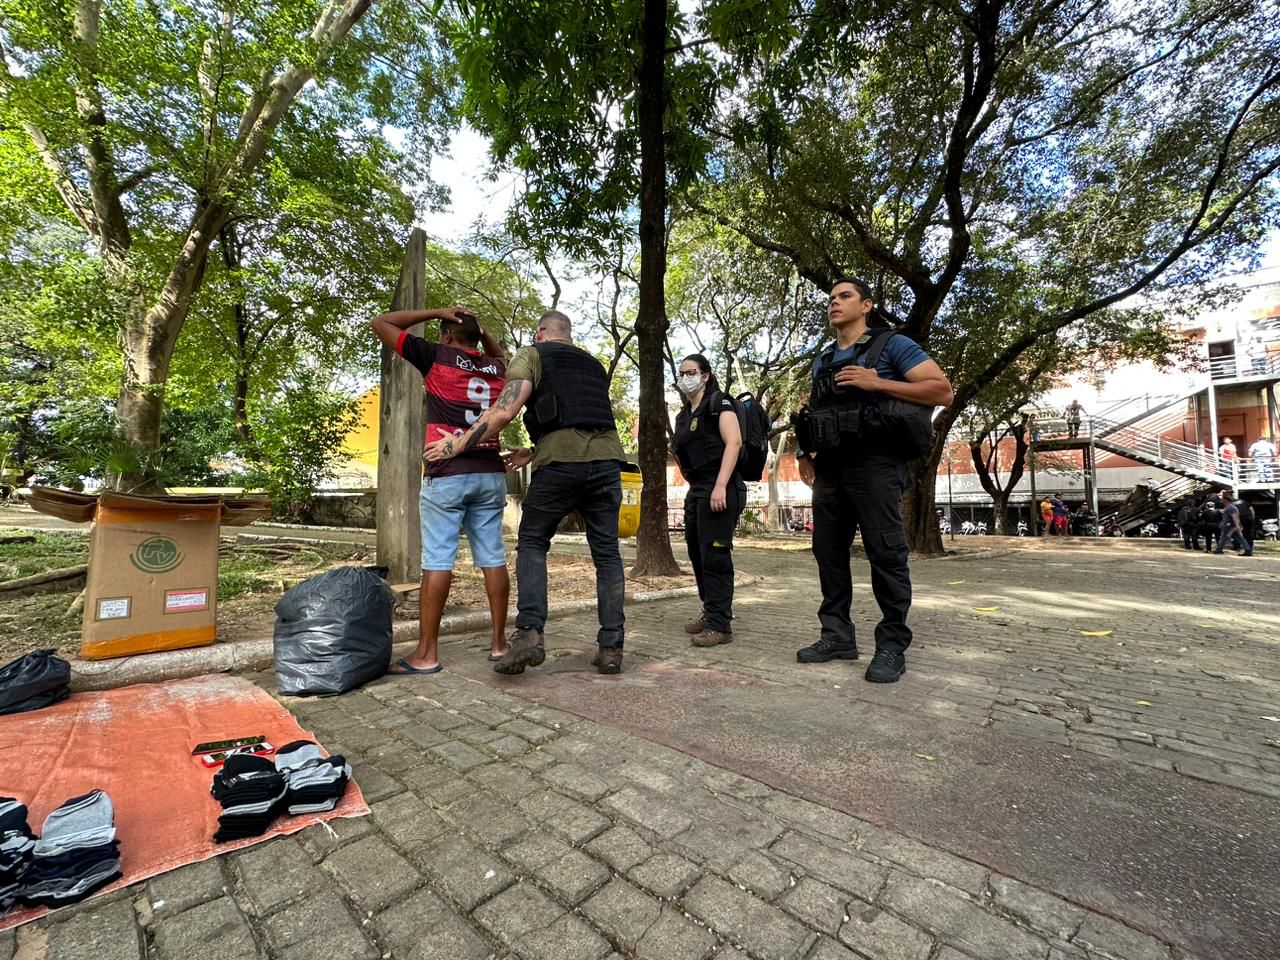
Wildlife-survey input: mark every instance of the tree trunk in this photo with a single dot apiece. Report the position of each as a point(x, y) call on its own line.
point(147, 343)
point(1001, 521)
point(776, 520)
point(232, 258)
point(923, 535)
point(138, 411)
point(653, 543)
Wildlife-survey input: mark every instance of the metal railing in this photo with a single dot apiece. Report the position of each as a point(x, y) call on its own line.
point(1136, 408)
point(1243, 367)
point(1158, 500)
point(1177, 453)
point(1251, 470)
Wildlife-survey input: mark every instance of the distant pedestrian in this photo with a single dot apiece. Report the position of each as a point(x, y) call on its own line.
point(1073, 414)
point(1061, 515)
point(1187, 523)
point(1033, 427)
point(1153, 491)
point(1232, 529)
point(1257, 354)
point(1085, 520)
point(1209, 522)
point(1227, 457)
point(1046, 515)
point(1248, 522)
point(1263, 454)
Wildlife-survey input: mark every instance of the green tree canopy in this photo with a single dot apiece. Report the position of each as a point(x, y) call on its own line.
point(157, 125)
point(1061, 155)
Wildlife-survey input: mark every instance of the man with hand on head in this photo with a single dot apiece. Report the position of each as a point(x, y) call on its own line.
point(577, 465)
point(468, 493)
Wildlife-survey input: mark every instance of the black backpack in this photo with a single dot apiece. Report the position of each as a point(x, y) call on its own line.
point(753, 421)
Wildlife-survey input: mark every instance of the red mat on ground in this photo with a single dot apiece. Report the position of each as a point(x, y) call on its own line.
point(135, 743)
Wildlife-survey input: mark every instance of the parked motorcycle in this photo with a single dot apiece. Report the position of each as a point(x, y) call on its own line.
point(1149, 530)
point(1112, 528)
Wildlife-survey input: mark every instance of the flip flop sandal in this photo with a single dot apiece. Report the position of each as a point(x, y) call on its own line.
point(407, 669)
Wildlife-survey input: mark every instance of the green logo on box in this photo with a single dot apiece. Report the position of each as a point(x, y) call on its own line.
point(157, 555)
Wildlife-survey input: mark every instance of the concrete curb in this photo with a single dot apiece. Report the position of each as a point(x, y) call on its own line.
point(254, 655)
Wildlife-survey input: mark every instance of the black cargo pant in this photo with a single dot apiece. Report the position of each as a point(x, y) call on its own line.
point(709, 536)
point(1210, 535)
point(864, 496)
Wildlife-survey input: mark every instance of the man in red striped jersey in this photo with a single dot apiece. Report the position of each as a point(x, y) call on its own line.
point(462, 374)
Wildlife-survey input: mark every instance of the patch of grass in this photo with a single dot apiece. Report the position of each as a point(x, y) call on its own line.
point(241, 573)
point(47, 553)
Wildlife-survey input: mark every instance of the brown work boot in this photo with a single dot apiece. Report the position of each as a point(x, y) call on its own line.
point(608, 659)
point(524, 649)
point(698, 624)
point(711, 638)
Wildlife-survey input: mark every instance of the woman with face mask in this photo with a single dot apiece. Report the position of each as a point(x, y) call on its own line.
point(708, 439)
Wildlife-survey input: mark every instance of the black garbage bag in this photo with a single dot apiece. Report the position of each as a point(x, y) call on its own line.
point(33, 681)
point(333, 632)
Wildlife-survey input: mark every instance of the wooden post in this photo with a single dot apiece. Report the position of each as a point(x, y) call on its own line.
point(401, 426)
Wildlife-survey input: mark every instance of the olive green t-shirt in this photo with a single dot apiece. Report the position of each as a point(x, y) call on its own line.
point(570, 445)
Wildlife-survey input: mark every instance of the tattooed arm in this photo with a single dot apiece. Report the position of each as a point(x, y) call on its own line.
point(514, 395)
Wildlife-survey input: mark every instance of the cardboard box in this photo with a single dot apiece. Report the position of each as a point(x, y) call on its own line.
point(153, 576)
point(153, 567)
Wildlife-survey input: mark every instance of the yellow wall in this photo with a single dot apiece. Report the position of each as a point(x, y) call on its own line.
point(360, 449)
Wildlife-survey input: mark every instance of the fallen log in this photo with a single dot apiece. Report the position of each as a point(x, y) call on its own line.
point(47, 582)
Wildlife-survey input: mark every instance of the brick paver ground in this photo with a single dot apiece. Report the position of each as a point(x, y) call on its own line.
point(505, 827)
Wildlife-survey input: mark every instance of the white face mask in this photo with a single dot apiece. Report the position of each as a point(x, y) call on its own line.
point(689, 384)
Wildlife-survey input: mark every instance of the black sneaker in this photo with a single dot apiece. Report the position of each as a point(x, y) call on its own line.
point(826, 649)
point(886, 666)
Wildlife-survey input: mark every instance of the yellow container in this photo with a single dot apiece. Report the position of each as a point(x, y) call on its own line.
point(629, 512)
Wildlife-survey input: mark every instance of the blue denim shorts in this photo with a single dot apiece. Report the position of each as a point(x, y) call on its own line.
point(471, 502)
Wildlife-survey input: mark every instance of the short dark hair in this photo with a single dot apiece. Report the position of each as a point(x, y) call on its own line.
point(466, 331)
point(879, 316)
point(864, 288)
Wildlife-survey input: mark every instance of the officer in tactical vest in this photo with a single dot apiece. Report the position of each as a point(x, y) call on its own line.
point(855, 460)
point(577, 465)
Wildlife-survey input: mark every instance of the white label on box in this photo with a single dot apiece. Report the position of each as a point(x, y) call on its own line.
point(114, 609)
point(180, 601)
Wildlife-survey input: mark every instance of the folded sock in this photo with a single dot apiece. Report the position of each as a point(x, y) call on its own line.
point(13, 816)
point(76, 854)
point(297, 754)
point(79, 815)
point(316, 782)
point(251, 792)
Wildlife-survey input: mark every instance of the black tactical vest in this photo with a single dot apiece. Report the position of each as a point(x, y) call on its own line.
point(573, 392)
point(698, 446)
point(823, 392)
